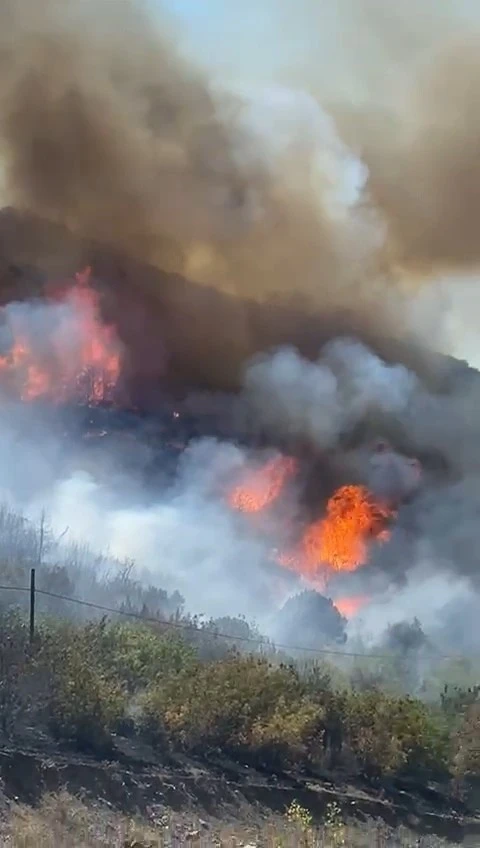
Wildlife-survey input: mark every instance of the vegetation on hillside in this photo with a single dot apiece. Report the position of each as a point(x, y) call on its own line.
point(86, 682)
point(217, 687)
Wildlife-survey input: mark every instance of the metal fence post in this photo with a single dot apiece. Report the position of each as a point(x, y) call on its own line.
point(32, 604)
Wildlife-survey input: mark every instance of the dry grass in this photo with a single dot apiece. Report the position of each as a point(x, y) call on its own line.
point(62, 821)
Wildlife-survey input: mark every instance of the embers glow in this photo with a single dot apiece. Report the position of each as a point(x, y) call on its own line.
point(76, 358)
point(260, 488)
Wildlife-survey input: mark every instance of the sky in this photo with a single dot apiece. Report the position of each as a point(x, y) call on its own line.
point(214, 32)
point(252, 41)
point(264, 40)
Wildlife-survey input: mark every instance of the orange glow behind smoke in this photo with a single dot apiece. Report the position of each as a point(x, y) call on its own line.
point(351, 606)
point(81, 359)
point(262, 487)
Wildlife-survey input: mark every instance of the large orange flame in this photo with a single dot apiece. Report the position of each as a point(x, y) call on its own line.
point(79, 361)
point(337, 542)
point(260, 488)
point(340, 540)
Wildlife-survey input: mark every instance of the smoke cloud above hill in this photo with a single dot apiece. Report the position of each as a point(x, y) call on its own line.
point(350, 175)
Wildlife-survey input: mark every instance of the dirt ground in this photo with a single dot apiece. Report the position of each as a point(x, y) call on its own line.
point(55, 799)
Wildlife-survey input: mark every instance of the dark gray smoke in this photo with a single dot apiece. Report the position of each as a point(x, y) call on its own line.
point(343, 402)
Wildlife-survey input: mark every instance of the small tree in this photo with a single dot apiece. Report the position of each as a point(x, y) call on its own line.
point(310, 620)
point(86, 702)
point(466, 753)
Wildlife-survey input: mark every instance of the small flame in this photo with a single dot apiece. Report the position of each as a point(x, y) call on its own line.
point(81, 359)
point(259, 489)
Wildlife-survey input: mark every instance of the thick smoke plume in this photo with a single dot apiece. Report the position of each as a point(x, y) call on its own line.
point(107, 128)
point(311, 215)
point(422, 154)
point(181, 525)
point(349, 397)
point(323, 401)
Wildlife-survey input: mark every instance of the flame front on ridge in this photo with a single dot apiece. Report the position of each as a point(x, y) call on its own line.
point(77, 360)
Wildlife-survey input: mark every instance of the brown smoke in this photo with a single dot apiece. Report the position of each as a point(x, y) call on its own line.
point(425, 163)
point(403, 86)
point(106, 128)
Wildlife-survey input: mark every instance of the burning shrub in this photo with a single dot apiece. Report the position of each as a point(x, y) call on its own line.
point(78, 358)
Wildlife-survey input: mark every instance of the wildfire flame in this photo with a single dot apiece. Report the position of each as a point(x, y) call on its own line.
point(340, 540)
point(260, 488)
point(337, 542)
point(80, 360)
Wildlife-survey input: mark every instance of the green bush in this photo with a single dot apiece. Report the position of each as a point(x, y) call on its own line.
point(88, 678)
point(85, 701)
point(288, 735)
point(16, 668)
point(395, 734)
point(243, 705)
point(466, 746)
point(138, 655)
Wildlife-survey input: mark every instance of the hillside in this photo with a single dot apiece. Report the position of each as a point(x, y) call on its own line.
point(153, 721)
point(177, 332)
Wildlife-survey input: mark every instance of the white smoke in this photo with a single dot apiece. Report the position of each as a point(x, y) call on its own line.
point(281, 122)
point(182, 537)
point(186, 536)
point(321, 401)
point(182, 533)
